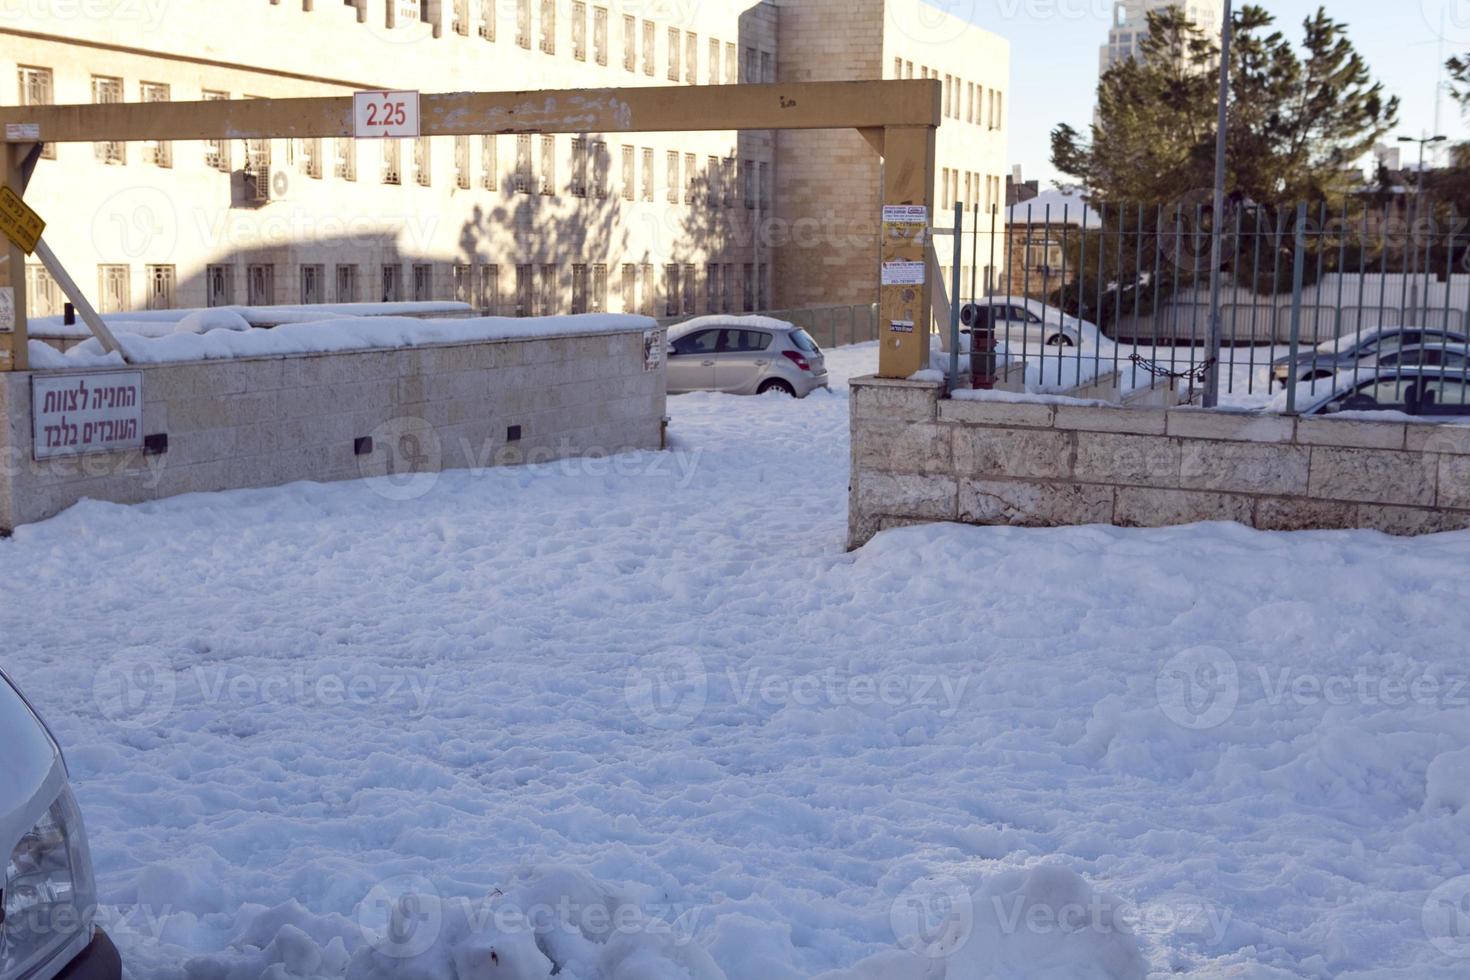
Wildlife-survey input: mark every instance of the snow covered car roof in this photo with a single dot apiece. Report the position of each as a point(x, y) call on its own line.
point(716, 320)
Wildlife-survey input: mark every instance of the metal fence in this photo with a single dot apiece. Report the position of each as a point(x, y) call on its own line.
point(1118, 295)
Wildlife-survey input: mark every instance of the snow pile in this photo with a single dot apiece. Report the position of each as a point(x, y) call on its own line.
point(321, 336)
point(157, 323)
point(658, 682)
point(203, 321)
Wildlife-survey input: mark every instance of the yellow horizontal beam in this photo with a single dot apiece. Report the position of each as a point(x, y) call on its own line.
point(808, 105)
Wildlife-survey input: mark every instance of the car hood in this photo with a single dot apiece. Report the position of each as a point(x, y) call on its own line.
point(31, 771)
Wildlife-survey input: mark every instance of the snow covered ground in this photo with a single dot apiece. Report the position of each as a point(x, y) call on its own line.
point(642, 718)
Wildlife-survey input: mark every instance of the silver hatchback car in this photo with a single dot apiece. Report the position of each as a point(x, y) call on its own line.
point(744, 355)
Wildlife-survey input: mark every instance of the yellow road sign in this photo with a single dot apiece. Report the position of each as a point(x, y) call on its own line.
point(18, 222)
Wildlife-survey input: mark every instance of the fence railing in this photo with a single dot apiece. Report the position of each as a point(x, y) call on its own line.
point(1119, 295)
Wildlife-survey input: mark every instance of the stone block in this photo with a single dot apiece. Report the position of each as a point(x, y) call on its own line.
point(1431, 438)
point(1135, 421)
point(906, 400)
point(907, 495)
point(1146, 507)
point(1301, 514)
point(1411, 521)
point(996, 413)
point(1027, 504)
point(1236, 426)
point(902, 447)
point(986, 453)
point(1454, 482)
point(1326, 430)
point(1243, 467)
point(1104, 457)
point(1373, 476)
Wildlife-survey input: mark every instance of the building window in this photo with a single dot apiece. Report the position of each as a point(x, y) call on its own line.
point(714, 61)
point(461, 22)
point(347, 289)
point(260, 284)
point(630, 43)
point(691, 58)
point(462, 162)
point(489, 163)
point(525, 176)
point(219, 285)
point(752, 66)
point(630, 288)
point(524, 288)
point(422, 172)
point(160, 287)
point(313, 284)
point(548, 166)
point(258, 168)
point(547, 299)
point(579, 289)
point(648, 176)
point(712, 288)
point(908, 69)
point(108, 91)
point(630, 174)
point(691, 180)
point(763, 287)
point(392, 283)
point(423, 283)
point(599, 35)
point(600, 164)
point(346, 153)
point(727, 289)
point(392, 162)
point(713, 190)
point(649, 56)
point(748, 304)
point(690, 285)
point(673, 54)
point(768, 68)
point(765, 186)
point(37, 87)
point(489, 293)
point(671, 290)
point(523, 24)
point(897, 67)
point(732, 64)
point(311, 158)
point(579, 167)
point(579, 31)
point(747, 185)
point(487, 19)
point(217, 152)
point(464, 283)
point(43, 298)
point(598, 300)
point(673, 175)
point(548, 26)
point(114, 296)
point(728, 180)
point(648, 296)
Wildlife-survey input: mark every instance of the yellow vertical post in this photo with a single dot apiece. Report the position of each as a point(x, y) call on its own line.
point(905, 291)
point(13, 335)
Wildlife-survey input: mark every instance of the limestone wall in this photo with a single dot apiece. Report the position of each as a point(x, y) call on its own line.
point(917, 457)
point(256, 422)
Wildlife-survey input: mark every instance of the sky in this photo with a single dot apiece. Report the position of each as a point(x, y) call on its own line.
point(1055, 43)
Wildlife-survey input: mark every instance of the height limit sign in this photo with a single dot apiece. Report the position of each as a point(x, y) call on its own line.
point(385, 115)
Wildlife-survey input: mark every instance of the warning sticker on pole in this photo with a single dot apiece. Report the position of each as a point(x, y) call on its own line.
point(901, 326)
point(903, 273)
point(905, 214)
point(18, 132)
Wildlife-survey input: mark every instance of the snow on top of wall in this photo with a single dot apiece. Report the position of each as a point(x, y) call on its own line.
point(325, 336)
point(159, 323)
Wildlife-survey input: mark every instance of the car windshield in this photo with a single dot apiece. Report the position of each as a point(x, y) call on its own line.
point(804, 341)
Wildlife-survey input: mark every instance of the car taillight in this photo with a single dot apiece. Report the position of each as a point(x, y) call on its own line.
point(798, 360)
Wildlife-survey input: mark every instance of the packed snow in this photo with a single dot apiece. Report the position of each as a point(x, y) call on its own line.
point(158, 323)
point(222, 333)
point(642, 718)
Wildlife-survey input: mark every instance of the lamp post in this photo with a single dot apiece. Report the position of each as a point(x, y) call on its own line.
point(1217, 217)
point(1414, 215)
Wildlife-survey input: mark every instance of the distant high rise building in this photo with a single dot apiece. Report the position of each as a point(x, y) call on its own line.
point(1130, 25)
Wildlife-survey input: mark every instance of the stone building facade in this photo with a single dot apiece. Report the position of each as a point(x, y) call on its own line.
point(661, 224)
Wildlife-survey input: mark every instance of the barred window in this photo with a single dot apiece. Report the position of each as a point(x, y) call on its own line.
point(649, 56)
point(37, 87)
point(600, 163)
point(43, 296)
point(548, 166)
point(630, 176)
point(579, 31)
point(392, 162)
point(649, 178)
point(630, 43)
point(219, 285)
point(488, 297)
point(489, 163)
point(114, 295)
point(107, 90)
point(487, 19)
point(673, 54)
point(523, 24)
point(462, 162)
point(347, 288)
point(422, 163)
point(525, 176)
point(346, 152)
point(260, 284)
point(311, 158)
point(599, 35)
point(217, 152)
point(313, 284)
point(579, 167)
point(548, 26)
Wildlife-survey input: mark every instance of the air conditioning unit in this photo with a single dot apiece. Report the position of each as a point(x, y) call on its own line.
point(249, 189)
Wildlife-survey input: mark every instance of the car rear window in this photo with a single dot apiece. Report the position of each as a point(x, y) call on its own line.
point(804, 341)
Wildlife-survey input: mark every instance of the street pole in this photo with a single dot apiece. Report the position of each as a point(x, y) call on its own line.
point(1217, 217)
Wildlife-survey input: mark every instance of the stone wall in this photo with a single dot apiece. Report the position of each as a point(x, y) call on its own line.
point(257, 422)
point(917, 457)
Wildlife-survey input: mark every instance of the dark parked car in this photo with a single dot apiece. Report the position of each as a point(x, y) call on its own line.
point(1438, 391)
